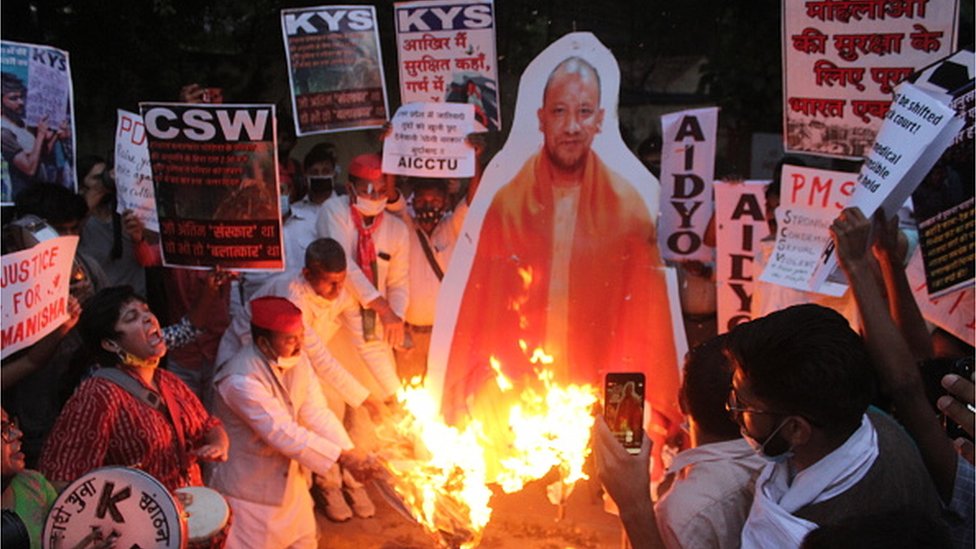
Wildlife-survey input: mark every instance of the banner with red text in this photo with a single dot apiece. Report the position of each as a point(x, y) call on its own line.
point(842, 60)
point(35, 292)
point(810, 199)
point(687, 171)
point(446, 52)
point(740, 223)
point(216, 175)
point(335, 68)
point(133, 175)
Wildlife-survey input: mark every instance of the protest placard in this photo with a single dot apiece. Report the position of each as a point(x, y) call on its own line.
point(917, 129)
point(446, 50)
point(428, 140)
point(335, 68)
point(687, 170)
point(810, 200)
point(944, 200)
point(843, 59)
point(39, 118)
point(215, 169)
point(954, 312)
point(35, 292)
point(133, 174)
point(740, 221)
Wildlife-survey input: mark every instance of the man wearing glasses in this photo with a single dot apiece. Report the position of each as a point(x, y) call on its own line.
point(801, 386)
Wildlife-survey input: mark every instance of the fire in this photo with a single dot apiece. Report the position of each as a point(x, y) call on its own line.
point(440, 472)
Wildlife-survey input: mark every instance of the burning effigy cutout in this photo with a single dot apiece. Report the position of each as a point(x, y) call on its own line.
point(556, 280)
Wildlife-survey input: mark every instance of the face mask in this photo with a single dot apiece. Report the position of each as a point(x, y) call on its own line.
point(429, 215)
point(284, 205)
point(369, 207)
point(760, 447)
point(128, 359)
point(288, 362)
point(320, 184)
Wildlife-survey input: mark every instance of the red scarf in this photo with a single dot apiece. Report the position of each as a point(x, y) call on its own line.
point(365, 249)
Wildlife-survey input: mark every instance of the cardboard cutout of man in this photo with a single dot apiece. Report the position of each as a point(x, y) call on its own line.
point(566, 259)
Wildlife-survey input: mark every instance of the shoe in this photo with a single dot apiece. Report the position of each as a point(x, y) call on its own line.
point(333, 503)
point(361, 504)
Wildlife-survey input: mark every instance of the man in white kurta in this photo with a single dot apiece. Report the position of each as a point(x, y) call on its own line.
point(371, 238)
point(282, 431)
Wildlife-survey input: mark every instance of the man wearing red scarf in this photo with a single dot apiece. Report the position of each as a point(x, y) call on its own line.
point(566, 260)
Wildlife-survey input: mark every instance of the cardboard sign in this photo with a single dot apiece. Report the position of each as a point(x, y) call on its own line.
point(41, 78)
point(335, 68)
point(916, 131)
point(843, 59)
point(133, 173)
point(687, 169)
point(446, 50)
point(810, 200)
point(740, 222)
point(35, 292)
point(428, 140)
point(216, 174)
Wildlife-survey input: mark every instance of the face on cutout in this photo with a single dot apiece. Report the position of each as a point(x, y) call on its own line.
point(325, 285)
point(139, 333)
point(13, 460)
point(570, 118)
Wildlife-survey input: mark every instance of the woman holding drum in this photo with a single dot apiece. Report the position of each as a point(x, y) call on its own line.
point(131, 413)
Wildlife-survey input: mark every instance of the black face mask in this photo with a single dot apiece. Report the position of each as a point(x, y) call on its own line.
point(320, 184)
point(429, 215)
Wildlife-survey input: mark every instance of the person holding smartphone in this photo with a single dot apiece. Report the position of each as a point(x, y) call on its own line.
point(710, 483)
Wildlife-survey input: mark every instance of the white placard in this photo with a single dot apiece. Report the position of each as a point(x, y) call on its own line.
point(428, 140)
point(133, 174)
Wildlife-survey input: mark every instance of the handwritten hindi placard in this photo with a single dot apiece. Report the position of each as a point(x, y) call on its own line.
point(428, 140)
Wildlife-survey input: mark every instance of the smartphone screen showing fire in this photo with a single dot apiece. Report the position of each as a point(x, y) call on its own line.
point(623, 408)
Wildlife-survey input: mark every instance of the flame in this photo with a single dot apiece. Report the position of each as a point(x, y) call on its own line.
point(440, 472)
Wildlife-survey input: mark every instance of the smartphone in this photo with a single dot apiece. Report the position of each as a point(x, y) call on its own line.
point(932, 373)
point(623, 408)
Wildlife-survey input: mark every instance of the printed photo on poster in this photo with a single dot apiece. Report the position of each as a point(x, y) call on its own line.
point(216, 176)
point(843, 60)
point(557, 253)
point(335, 68)
point(37, 122)
point(446, 52)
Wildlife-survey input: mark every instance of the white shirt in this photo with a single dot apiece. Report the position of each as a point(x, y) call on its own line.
point(392, 241)
point(424, 284)
point(710, 498)
point(321, 318)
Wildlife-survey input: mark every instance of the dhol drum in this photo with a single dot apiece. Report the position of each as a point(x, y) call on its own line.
point(127, 505)
point(208, 517)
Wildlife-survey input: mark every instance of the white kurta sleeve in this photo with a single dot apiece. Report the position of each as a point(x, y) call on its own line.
point(398, 275)
point(271, 420)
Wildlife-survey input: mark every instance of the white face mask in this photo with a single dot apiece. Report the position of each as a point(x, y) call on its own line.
point(288, 362)
point(760, 447)
point(369, 207)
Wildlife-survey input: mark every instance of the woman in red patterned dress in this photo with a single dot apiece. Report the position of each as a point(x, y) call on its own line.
point(130, 412)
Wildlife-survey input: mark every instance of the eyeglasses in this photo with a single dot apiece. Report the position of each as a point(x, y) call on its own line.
point(733, 407)
point(8, 428)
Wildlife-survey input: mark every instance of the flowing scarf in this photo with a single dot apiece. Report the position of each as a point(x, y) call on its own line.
point(771, 521)
point(365, 249)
